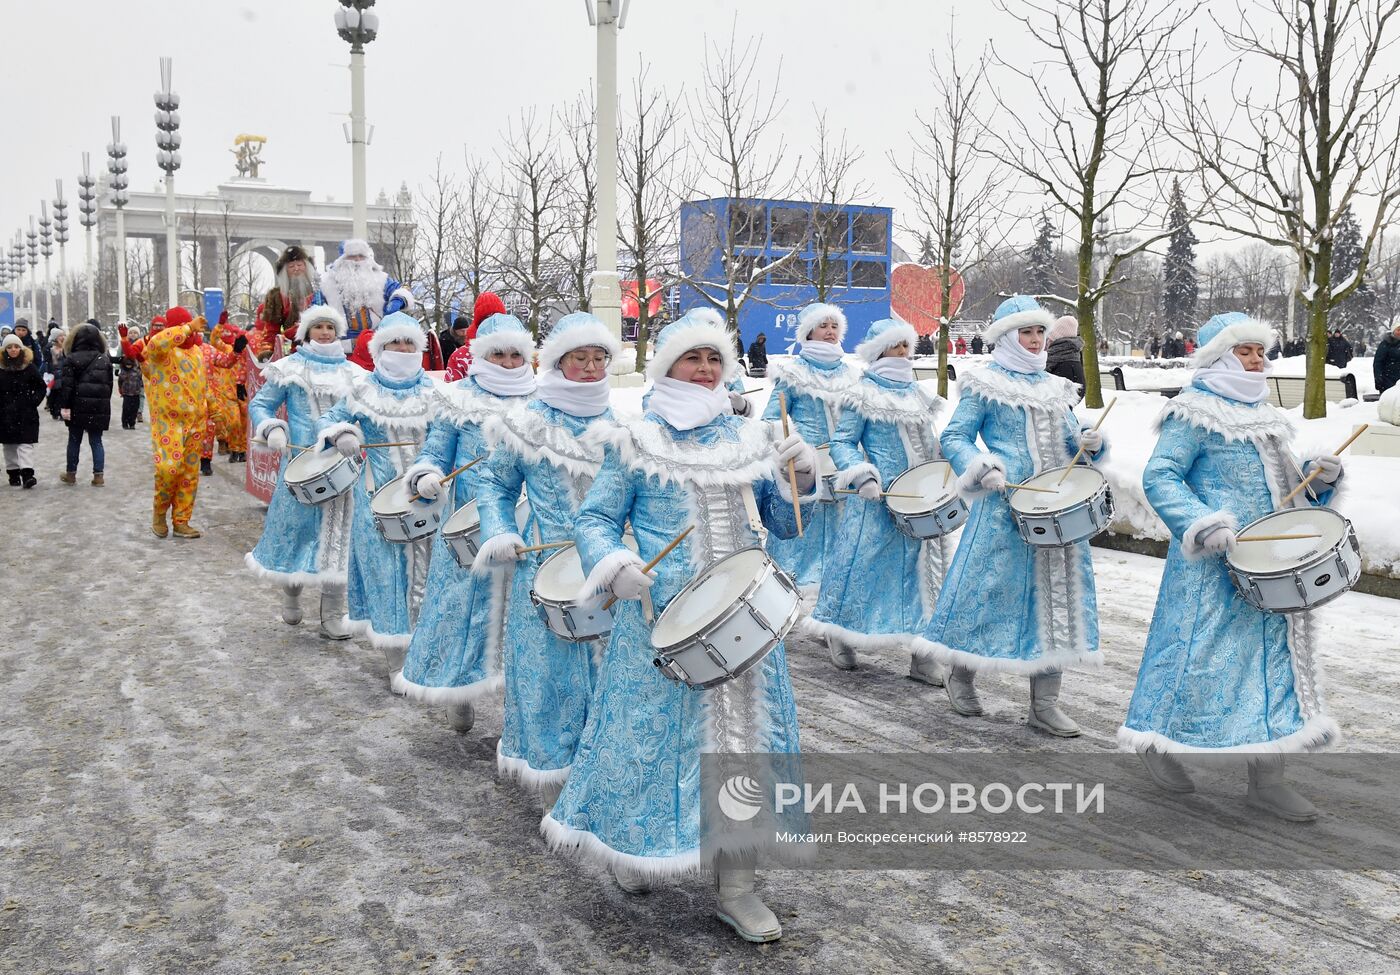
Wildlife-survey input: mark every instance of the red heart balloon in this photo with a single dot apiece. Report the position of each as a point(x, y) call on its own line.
point(915, 293)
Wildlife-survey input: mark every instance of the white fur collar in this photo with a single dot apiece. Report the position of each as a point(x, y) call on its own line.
point(648, 446)
point(315, 378)
point(408, 412)
point(828, 385)
point(909, 407)
point(1233, 421)
point(530, 435)
point(1044, 393)
point(465, 405)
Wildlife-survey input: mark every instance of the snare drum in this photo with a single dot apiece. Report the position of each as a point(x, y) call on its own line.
point(462, 531)
point(318, 476)
point(555, 597)
point(828, 473)
point(1294, 574)
point(725, 620)
point(401, 520)
point(1075, 510)
point(937, 510)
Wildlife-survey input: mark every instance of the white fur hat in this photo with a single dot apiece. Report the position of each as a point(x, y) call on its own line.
point(317, 314)
point(577, 331)
point(1014, 314)
point(1227, 330)
point(699, 328)
point(883, 334)
point(391, 328)
point(502, 333)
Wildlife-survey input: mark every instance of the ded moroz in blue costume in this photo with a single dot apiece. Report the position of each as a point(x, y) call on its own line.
point(880, 586)
point(1218, 675)
point(1007, 605)
point(815, 383)
point(632, 801)
point(454, 657)
point(393, 404)
point(304, 544)
point(545, 447)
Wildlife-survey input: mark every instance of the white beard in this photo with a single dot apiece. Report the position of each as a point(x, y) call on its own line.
point(297, 290)
point(352, 285)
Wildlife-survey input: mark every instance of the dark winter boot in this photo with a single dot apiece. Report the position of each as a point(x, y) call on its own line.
point(14, 477)
point(204, 467)
point(69, 477)
point(26, 475)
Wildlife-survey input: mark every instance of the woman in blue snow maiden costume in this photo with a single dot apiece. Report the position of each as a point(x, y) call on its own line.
point(305, 544)
point(880, 586)
point(454, 657)
point(546, 448)
point(393, 404)
point(1006, 605)
point(632, 800)
point(815, 383)
point(1218, 675)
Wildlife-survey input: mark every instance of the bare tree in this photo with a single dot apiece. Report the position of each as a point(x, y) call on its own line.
point(532, 197)
point(195, 250)
point(579, 124)
point(477, 232)
point(653, 173)
point(1386, 262)
point(953, 183)
point(1094, 151)
point(437, 213)
point(1287, 166)
point(228, 230)
point(399, 249)
point(1261, 274)
point(830, 184)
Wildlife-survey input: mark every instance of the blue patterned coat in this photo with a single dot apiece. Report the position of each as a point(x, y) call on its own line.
point(1218, 674)
point(301, 544)
point(815, 391)
point(548, 680)
point(633, 795)
point(455, 654)
point(880, 586)
point(1006, 605)
point(386, 580)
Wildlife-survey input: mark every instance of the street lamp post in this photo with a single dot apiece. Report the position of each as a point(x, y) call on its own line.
point(33, 240)
point(168, 159)
point(87, 206)
point(60, 227)
point(116, 167)
point(357, 25)
point(606, 297)
point(46, 250)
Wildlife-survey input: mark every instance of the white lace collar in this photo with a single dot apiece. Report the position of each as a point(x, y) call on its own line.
point(531, 435)
point(829, 385)
point(1232, 420)
point(1045, 392)
point(406, 410)
point(315, 377)
point(741, 453)
point(909, 406)
point(464, 404)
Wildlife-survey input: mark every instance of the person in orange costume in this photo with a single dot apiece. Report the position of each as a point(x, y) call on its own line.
point(172, 367)
point(221, 367)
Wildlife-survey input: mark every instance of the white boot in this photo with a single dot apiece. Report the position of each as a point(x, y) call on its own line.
point(739, 906)
point(1045, 712)
point(1166, 771)
point(291, 605)
point(333, 613)
point(926, 670)
point(393, 658)
point(631, 881)
point(549, 795)
point(961, 694)
point(1268, 791)
point(461, 717)
point(843, 655)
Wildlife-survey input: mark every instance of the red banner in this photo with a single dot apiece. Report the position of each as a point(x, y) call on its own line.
point(916, 292)
point(260, 472)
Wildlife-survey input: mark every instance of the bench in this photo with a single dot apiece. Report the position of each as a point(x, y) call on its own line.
point(931, 372)
point(1115, 379)
point(1286, 392)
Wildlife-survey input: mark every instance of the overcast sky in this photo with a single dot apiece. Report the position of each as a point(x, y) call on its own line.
point(443, 74)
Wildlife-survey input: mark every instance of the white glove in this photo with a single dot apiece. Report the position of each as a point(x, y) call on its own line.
point(738, 404)
point(1091, 441)
point(348, 443)
point(277, 440)
point(804, 460)
point(1331, 466)
point(870, 490)
point(1219, 539)
point(993, 480)
point(630, 582)
point(501, 550)
point(428, 486)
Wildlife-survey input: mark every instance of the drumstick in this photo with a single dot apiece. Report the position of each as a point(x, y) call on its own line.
point(1318, 470)
point(659, 556)
point(1273, 538)
point(468, 465)
point(1027, 487)
point(883, 494)
point(1080, 453)
point(750, 392)
point(947, 474)
point(541, 548)
point(792, 466)
point(293, 446)
point(396, 443)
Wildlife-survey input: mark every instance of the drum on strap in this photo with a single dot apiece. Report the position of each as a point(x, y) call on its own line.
point(937, 509)
point(555, 597)
point(400, 520)
point(462, 531)
point(1294, 574)
point(318, 476)
point(1068, 511)
point(725, 620)
point(828, 474)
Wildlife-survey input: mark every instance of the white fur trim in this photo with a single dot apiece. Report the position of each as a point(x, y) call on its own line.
point(382, 641)
point(1250, 331)
point(912, 407)
point(861, 641)
point(331, 433)
point(1016, 322)
point(404, 416)
point(1317, 732)
point(292, 578)
point(1233, 421)
point(493, 548)
point(385, 334)
point(872, 348)
point(814, 314)
point(588, 847)
point(1045, 392)
point(530, 436)
point(813, 493)
point(831, 386)
point(926, 649)
point(600, 580)
point(261, 431)
point(446, 696)
point(970, 482)
point(578, 337)
point(321, 313)
point(695, 335)
point(528, 776)
point(647, 447)
point(504, 340)
point(1192, 537)
point(1318, 485)
point(322, 383)
point(464, 405)
point(857, 475)
point(418, 469)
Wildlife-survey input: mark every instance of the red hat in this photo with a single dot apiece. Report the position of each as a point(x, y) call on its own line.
point(487, 304)
point(178, 316)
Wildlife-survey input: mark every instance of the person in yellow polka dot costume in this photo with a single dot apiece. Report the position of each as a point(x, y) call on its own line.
point(172, 368)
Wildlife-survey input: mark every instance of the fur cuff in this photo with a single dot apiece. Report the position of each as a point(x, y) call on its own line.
point(406, 296)
point(492, 549)
point(261, 431)
point(417, 470)
point(853, 477)
point(1191, 538)
point(601, 578)
point(331, 433)
point(970, 483)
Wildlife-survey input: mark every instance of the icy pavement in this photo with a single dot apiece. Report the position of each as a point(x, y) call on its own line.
point(191, 786)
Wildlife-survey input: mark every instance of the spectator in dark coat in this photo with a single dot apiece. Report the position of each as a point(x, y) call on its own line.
point(925, 346)
point(130, 387)
point(977, 345)
point(31, 343)
point(454, 336)
point(1338, 349)
point(83, 390)
point(1386, 364)
point(758, 355)
point(21, 392)
point(1154, 347)
point(1064, 351)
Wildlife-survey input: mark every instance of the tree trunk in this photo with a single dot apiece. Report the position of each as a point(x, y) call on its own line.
point(639, 271)
point(1084, 311)
point(944, 329)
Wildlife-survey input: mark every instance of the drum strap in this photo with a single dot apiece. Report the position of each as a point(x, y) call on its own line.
point(648, 612)
point(751, 509)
